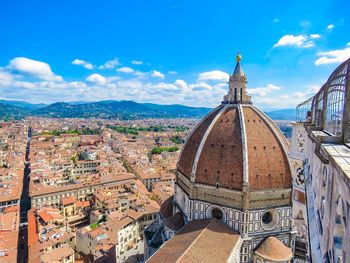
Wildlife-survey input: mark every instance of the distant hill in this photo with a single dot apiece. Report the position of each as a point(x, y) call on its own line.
point(178, 110)
point(23, 104)
point(12, 112)
point(119, 110)
point(285, 114)
point(110, 109)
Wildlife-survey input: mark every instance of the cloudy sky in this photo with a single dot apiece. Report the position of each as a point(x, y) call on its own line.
point(169, 52)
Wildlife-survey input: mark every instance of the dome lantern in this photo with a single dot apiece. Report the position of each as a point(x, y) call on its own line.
point(237, 86)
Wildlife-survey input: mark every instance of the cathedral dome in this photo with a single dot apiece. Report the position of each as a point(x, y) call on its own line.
point(234, 169)
point(236, 145)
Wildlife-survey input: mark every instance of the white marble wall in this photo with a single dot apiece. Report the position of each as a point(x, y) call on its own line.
point(247, 223)
point(328, 204)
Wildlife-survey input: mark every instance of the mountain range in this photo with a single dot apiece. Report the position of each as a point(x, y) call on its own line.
point(110, 109)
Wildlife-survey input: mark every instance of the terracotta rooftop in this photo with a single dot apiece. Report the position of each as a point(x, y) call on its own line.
point(274, 250)
point(83, 203)
point(68, 200)
point(203, 241)
point(57, 254)
point(32, 228)
point(48, 214)
point(9, 223)
point(215, 151)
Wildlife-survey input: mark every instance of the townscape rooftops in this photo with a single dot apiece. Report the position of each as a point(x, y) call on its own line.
point(48, 214)
point(40, 189)
point(9, 222)
point(57, 254)
point(68, 200)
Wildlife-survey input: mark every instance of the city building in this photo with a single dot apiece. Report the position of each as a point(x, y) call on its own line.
point(9, 227)
point(321, 136)
point(48, 239)
point(233, 189)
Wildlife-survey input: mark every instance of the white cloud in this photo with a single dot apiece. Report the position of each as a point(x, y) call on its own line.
point(305, 24)
point(181, 83)
point(157, 74)
point(333, 56)
point(201, 86)
point(6, 78)
point(172, 72)
point(287, 100)
point(208, 90)
point(291, 40)
point(137, 62)
point(97, 79)
point(309, 44)
point(110, 64)
point(263, 91)
point(276, 20)
point(214, 75)
point(25, 85)
point(313, 89)
point(33, 67)
point(113, 78)
point(140, 74)
point(330, 26)
point(83, 63)
point(77, 84)
point(301, 41)
point(315, 36)
point(126, 70)
point(141, 90)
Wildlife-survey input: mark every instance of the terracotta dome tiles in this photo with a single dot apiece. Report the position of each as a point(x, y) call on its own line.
point(189, 151)
point(221, 159)
point(268, 163)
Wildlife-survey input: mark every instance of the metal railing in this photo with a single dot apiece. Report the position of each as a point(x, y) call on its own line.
point(304, 111)
point(329, 109)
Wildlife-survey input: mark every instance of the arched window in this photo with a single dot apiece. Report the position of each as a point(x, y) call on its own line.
point(267, 217)
point(270, 219)
point(217, 213)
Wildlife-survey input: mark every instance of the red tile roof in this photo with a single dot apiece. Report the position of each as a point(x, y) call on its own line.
point(68, 200)
point(32, 229)
point(83, 203)
point(274, 250)
point(204, 241)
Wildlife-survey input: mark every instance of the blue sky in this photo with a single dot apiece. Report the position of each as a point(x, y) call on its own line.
point(169, 51)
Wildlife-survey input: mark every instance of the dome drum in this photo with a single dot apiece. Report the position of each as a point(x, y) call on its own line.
point(234, 198)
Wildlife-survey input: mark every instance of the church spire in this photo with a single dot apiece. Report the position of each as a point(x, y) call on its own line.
point(237, 85)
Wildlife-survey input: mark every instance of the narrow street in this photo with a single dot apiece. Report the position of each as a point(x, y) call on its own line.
point(24, 207)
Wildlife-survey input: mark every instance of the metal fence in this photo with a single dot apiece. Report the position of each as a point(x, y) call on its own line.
point(329, 109)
